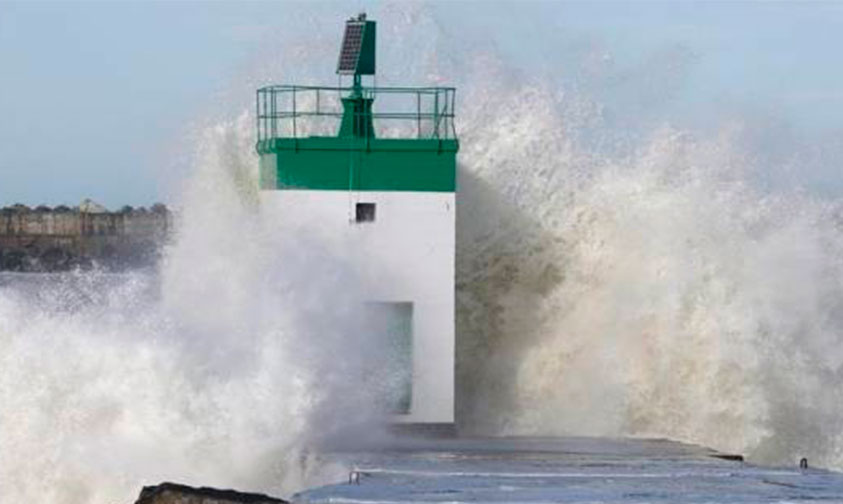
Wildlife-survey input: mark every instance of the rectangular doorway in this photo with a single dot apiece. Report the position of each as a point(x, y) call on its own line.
point(392, 328)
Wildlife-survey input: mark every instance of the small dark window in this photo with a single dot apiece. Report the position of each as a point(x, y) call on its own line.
point(365, 212)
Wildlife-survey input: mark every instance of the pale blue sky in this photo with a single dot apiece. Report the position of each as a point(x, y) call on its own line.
point(97, 97)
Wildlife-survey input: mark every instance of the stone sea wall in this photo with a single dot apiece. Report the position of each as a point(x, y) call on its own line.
point(64, 238)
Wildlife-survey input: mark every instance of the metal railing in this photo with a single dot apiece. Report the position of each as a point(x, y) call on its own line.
point(288, 111)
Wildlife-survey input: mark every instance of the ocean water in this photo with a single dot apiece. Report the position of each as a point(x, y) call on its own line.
point(614, 278)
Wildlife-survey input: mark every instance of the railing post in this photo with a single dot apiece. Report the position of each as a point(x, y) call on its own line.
point(264, 115)
point(295, 134)
point(273, 100)
point(451, 112)
point(258, 112)
point(436, 113)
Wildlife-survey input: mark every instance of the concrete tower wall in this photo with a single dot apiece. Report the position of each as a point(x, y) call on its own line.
point(406, 254)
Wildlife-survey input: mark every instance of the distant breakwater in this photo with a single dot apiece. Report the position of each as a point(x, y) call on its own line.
point(62, 238)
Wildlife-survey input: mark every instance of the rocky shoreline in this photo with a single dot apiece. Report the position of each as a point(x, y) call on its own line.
point(174, 493)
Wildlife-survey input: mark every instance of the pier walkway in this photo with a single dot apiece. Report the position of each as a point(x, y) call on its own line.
point(571, 470)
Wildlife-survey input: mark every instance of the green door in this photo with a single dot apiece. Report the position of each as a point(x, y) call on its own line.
point(392, 352)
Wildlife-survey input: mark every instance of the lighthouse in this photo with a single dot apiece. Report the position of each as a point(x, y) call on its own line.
point(372, 171)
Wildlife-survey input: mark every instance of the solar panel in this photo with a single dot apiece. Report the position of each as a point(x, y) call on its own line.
point(357, 55)
point(352, 42)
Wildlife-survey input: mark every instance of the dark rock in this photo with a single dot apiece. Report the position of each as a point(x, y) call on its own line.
point(173, 493)
point(14, 260)
point(55, 259)
point(729, 456)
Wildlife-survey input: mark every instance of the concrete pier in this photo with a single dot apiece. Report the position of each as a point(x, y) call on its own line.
point(571, 470)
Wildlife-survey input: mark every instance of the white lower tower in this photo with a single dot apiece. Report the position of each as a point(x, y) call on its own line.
point(405, 256)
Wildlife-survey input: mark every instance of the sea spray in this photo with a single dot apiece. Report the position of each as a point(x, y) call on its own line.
point(610, 282)
point(222, 369)
point(658, 294)
point(622, 276)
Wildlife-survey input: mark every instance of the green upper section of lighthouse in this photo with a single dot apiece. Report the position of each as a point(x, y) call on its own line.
point(357, 138)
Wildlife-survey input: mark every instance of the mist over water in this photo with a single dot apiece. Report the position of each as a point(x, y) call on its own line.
point(222, 369)
point(615, 277)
